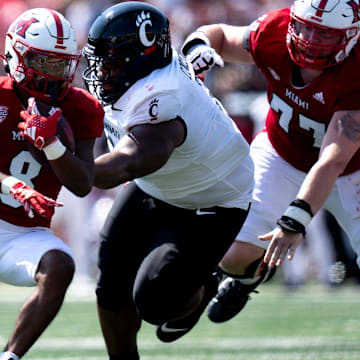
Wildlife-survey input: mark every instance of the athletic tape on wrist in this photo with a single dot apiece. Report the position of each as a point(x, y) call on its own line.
point(298, 213)
point(296, 217)
point(8, 183)
point(55, 150)
point(291, 225)
point(8, 355)
point(195, 38)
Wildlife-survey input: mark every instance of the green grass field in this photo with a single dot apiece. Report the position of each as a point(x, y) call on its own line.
point(312, 323)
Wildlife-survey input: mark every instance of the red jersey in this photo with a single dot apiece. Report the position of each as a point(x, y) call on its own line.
point(85, 115)
point(298, 117)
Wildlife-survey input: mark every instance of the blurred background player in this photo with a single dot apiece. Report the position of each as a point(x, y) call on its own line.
point(170, 227)
point(41, 57)
point(311, 108)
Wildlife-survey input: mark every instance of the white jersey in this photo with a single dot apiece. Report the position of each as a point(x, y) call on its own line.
point(212, 166)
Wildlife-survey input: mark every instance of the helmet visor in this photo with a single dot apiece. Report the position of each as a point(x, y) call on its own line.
point(51, 65)
point(314, 46)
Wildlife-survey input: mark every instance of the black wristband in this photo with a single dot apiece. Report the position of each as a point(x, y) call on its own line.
point(289, 224)
point(302, 204)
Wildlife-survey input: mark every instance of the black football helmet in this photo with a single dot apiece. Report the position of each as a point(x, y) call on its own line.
point(125, 43)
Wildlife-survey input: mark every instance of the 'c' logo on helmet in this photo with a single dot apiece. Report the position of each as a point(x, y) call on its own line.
point(142, 21)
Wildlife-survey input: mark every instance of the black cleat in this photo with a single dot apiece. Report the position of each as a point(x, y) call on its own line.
point(230, 300)
point(173, 330)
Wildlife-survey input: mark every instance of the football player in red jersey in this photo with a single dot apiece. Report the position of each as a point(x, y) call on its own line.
point(308, 156)
point(41, 57)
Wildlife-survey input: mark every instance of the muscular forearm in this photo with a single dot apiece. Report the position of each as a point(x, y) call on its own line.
point(215, 35)
point(75, 174)
point(319, 183)
point(227, 40)
point(111, 171)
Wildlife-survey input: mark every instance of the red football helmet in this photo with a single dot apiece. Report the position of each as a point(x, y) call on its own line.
point(42, 54)
point(322, 33)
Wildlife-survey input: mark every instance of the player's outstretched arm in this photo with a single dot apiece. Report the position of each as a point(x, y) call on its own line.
point(341, 141)
point(209, 45)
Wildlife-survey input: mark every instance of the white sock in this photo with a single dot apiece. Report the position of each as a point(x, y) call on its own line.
point(7, 355)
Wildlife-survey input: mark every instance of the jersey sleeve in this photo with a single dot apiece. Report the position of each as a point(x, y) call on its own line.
point(84, 113)
point(348, 91)
point(154, 109)
point(266, 36)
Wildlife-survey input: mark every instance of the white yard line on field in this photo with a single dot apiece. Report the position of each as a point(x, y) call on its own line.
point(210, 343)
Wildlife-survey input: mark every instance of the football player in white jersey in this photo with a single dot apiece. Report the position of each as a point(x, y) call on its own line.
point(192, 173)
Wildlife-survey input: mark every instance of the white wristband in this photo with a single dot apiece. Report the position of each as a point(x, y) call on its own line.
point(7, 355)
point(298, 214)
point(55, 150)
point(8, 183)
point(195, 38)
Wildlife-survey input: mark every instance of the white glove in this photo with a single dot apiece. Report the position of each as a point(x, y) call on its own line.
point(203, 58)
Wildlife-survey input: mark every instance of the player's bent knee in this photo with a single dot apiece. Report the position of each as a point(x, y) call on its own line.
point(154, 309)
point(57, 268)
point(157, 290)
point(151, 300)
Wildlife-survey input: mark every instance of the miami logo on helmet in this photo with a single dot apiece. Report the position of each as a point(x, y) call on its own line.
point(356, 9)
point(22, 26)
point(142, 21)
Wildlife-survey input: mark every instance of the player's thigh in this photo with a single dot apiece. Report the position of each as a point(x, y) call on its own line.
point(344, 205)
point(276, 185)
point(125, 239)
point(188, 248)
point(21, 254)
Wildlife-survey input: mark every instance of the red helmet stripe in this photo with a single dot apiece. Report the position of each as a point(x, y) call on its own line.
point(59, 28)
point(356, 9)
point(321, 7)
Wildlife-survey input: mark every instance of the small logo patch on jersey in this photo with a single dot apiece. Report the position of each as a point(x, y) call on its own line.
point(16, 135)
point(319, 97)
point(153, 109)
point(3, 113)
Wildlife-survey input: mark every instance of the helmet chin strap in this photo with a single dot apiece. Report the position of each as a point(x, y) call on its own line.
point(52, 90)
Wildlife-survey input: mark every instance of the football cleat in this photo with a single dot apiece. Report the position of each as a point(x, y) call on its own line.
point(233, 294)
point(230, 300)
point(172, 330)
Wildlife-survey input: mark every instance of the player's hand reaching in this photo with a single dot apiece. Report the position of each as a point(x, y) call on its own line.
point(37, 128)
point(32, 200)
point(203, 58)
point(283, 244)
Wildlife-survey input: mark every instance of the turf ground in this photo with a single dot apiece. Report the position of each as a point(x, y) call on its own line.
point(312, 323)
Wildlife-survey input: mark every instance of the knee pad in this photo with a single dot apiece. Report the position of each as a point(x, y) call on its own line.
point(157, 292)
point(155, 302)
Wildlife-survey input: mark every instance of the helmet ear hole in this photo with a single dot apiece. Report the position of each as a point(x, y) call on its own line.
point(7, 68)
